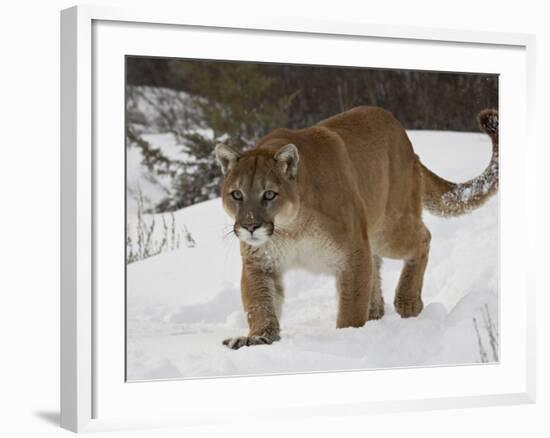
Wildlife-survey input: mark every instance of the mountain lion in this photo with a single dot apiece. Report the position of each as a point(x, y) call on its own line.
point(335, 198)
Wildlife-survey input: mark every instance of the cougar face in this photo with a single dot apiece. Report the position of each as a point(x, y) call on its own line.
point(259, 193)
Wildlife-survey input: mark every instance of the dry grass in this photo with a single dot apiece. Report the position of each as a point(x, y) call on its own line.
point(151, 237)
point(487, 337)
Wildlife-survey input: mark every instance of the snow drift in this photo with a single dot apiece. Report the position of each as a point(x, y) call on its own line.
point(181, 304)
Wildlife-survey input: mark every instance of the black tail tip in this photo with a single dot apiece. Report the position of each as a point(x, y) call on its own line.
point(488, 121)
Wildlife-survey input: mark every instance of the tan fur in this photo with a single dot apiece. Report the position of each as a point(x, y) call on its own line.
point(350, 190)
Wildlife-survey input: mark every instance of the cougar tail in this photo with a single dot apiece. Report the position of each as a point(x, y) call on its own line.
point(445, 198)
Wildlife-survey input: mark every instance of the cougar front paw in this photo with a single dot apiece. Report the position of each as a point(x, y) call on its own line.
point(408, 308)
point(246, 341)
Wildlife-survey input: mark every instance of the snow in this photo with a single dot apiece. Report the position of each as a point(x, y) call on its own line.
point(183, 303)
point(140, 180)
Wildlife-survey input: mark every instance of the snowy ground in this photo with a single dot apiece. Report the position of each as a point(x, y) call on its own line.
point(183, 303)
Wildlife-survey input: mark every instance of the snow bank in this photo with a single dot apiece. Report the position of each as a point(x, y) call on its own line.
point(183, 303)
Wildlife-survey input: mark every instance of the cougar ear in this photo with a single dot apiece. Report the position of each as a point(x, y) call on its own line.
point(226, 156)
point(288, 155)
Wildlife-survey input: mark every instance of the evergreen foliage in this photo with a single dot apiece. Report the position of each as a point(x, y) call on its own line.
point(205, 102)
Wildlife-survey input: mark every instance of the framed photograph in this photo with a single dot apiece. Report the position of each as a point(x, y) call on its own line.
point(265, 207)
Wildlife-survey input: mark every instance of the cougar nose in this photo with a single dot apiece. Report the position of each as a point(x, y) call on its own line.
point(251, 227)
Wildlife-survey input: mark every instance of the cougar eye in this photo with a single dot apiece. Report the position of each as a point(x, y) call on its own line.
point(237, 195)
point(269, 195)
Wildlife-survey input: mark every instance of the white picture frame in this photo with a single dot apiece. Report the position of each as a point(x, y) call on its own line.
point(92, 392)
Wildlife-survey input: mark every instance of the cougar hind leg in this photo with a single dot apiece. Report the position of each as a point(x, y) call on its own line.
point(408, 295)
point(376, 306)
